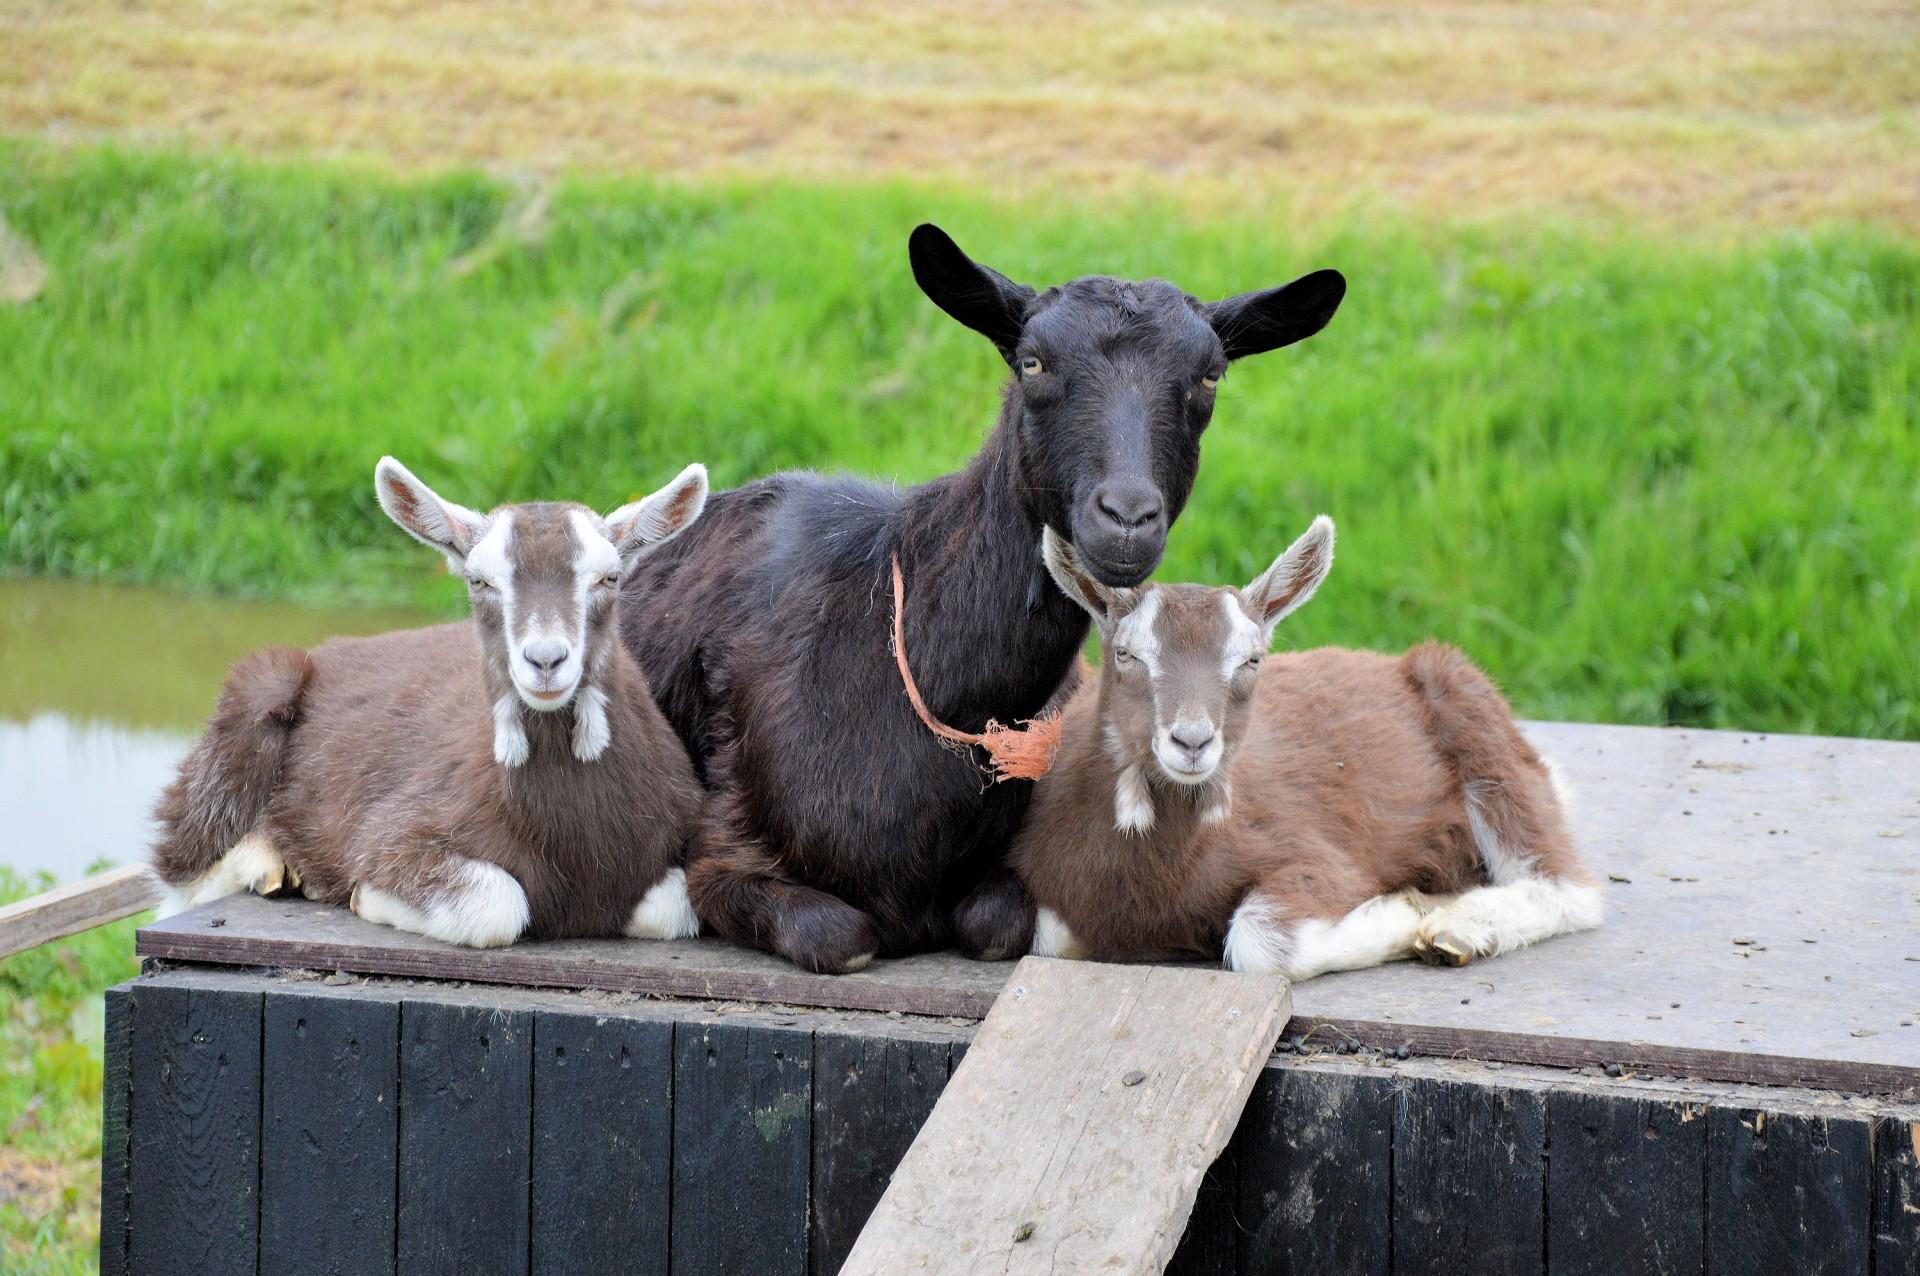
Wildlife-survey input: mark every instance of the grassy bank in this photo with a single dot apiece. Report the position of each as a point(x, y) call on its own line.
point(1682, 112)
point(50, 1061)
point(1642, 479)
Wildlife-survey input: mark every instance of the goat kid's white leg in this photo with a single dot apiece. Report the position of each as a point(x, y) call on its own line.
point(252, 865)
point(1489, 920)
point(1132, 802)
point(665, 912)
point(510, 747)
point(482, 906)
point(1053, 938)
point(1261, 939)
point(591, 731)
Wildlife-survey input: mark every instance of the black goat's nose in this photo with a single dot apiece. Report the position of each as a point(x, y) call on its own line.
point(1128, 504)
point(1192, 736)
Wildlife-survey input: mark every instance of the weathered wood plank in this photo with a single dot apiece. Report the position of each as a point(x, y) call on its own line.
point(196, 1131)
point(1316, 1187)
point(1788, 1193)
point(466, 1094)
point(1896, 1195)
point(77, 906)
point(115, 1093)
point(602, 1144)
point(1624, 1185)
point(1075, 1134)
point(1468, 1178)
point(330, 1136)
point(870, 1098)
point(1210, 1246)
point(1690, 818)
point(742, 1131)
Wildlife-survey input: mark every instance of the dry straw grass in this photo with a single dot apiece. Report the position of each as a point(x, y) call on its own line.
point(1702, 112)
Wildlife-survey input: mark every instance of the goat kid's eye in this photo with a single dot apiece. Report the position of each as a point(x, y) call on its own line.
point(479, 584)
point(1031, 367)
point(1122, 656)
point(610, 581)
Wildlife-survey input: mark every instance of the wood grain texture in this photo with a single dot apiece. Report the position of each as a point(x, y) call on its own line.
point(1788, 1193)
point(1210, 1245)
point(602, 1144)
point(466, 1095)
point(115, 1095)
point(1074, 1135)
point(68, 910)
point(1469, 1178)
point(1691, 818)
point(195, 1131)
point(1316, 1181)
point(1896, 1195)
point(1624, 1183)
point(742, 1134)
point(330, 1134)
point(870, 1098)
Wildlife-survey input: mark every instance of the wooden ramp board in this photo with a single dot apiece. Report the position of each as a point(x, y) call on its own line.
point(1074, 1135)
point(1776, 839)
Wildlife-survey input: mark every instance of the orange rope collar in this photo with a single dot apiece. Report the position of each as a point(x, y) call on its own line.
point(1023, 752)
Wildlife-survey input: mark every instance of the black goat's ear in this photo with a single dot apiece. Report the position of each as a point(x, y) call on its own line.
point(983, 299)
point(1256, 322)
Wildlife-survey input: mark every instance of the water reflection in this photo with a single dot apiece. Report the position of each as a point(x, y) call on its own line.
point(101, 690)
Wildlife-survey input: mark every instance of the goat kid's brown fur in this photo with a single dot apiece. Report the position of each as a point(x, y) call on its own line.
point(1346, 776)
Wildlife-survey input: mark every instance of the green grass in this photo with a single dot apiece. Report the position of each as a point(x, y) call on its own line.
point(1641, 479)
point(50, 1062)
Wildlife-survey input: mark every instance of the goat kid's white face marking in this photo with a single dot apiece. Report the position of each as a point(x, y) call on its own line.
point(541, 590)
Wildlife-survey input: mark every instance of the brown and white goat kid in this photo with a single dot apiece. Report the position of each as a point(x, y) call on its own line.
point(1300, 813)
point(476, 782)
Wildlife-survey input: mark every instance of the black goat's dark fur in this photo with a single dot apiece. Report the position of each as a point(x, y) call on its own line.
point(836, 825)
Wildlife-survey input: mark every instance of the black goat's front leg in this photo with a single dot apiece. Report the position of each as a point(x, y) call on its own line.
point(994, 921)
point(740, 893)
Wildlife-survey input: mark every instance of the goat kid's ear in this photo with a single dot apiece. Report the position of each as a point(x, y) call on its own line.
point(985, 300)
point(1104, 603)
point(1283, 587)
point(1256, 322)
point(654, 520)
point(424, 515)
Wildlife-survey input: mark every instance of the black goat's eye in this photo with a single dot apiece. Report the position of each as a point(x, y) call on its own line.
point(1212, 380)
point(1031, 367)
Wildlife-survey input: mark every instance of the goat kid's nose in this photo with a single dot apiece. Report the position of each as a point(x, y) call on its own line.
point(1128, 505)
point(1192, 736)
point(545, 654)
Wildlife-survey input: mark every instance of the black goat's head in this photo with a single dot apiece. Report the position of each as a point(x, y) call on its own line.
point(1113, 384)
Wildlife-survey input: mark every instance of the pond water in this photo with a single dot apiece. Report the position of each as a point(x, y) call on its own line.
point(102, 688)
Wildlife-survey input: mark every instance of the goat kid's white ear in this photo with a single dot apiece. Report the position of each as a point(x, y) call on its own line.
point(422, 513)
point(654, 520)
point(1291, 580)
point(1104, 603)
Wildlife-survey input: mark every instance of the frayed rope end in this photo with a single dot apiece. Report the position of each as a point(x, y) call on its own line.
point(1023, 752)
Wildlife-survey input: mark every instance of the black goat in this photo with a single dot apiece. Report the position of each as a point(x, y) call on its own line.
point(836, 826)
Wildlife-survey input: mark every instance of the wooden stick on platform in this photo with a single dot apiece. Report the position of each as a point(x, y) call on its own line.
point(102, 898)
point(1076, 1131)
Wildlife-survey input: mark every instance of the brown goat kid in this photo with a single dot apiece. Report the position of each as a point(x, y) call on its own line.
point(474, 782)
point(1299, 814)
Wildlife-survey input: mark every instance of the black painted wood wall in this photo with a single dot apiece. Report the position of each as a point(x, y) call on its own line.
point(255, 1123)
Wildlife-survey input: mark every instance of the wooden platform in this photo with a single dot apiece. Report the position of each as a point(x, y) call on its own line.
point(1764, 926)
point(288, 1124)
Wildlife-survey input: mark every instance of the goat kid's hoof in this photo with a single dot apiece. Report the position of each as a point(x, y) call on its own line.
point(1443, 950)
